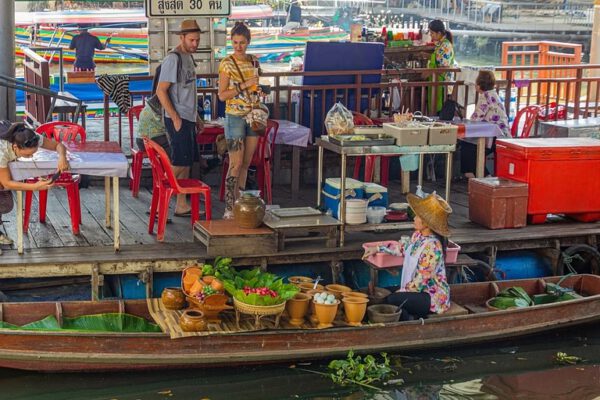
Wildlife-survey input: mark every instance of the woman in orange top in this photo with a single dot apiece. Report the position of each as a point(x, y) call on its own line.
point(238, 82)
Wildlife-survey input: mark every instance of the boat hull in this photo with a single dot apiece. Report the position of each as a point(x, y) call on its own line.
point(61, 351)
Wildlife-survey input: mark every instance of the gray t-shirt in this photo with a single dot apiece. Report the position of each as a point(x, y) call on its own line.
point(182, 93)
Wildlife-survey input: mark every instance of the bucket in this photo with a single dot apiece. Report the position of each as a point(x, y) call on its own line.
point(356, 211)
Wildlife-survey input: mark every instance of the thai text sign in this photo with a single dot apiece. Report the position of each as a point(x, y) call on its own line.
point(188, 8)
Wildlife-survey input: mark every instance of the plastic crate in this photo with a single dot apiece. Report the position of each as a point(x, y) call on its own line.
point(383, 260)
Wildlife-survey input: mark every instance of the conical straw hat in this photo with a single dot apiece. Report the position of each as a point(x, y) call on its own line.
point(433, 210)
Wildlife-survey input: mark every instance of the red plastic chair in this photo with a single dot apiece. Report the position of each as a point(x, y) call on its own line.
point(65, 132)
point(530, 114)
point(361, 119)
point(261, 160)
point(166, 185)
point(137, 155)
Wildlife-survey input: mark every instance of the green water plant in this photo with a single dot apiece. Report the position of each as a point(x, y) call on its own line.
point(360, 370)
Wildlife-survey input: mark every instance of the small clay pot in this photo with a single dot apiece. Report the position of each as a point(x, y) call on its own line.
point(384, 313)
point(249, 211)
point(355, 294)
point(173, 298)
point(296, 280)
point(297, 307)
point(326, 313)
point(355, 309)
point(337, 290)
point(379, 295)
point(192, 321)
point(306, 286)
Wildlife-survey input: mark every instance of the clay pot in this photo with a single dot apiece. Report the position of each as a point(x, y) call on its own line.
point(337, 290)
point(296, 280)
point(192, 321)
point(306, 286)
point(384, 313)
point(173, 298)
point(355, 309)
point(378, 296)
point(355, 294)
point(249, 211)
point(325, 314)
point(297, 307)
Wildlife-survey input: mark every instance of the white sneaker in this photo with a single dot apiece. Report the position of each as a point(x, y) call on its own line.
point(5, 240)
point(228, 214)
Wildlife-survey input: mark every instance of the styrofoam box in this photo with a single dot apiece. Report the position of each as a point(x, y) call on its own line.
point(414, 135)
point(441, 133)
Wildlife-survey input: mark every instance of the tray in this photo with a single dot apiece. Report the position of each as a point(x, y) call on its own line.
point(294, 212)
point(376, 139)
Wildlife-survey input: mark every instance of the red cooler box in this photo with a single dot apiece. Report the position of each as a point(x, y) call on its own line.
point(563, 175)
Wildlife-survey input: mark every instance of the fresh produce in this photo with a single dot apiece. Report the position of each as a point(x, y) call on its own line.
point(208, 269)
point(259, 288)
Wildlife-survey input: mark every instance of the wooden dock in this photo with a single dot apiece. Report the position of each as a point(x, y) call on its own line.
point(52, 250)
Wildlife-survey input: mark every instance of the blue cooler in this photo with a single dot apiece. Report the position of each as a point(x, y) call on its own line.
point(331, 193)
point(376, 195)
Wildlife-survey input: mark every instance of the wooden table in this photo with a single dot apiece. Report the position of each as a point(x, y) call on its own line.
point(482, 132)
point(91, 158)
point(325, 225)
point(392, 150)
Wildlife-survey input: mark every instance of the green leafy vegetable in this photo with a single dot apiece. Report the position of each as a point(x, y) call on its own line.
point(255, 278)
point(359, 370)
point(109, 322)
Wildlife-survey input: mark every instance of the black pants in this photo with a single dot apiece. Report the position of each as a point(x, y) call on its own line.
point(414, 304)
point(468, 157)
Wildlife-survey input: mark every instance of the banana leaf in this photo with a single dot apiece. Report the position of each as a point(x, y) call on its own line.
point(109, 322)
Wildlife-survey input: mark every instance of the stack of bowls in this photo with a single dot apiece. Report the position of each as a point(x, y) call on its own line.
point(356, 211)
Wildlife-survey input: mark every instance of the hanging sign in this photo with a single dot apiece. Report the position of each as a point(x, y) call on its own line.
point(188, 8)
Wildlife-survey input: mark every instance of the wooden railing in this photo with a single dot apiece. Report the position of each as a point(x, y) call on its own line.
point(578, 92)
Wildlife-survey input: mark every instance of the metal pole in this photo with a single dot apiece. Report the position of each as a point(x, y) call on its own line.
point(61, 70)
point(7, 63)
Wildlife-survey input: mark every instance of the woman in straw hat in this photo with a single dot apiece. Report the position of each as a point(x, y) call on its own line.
point(423, 287)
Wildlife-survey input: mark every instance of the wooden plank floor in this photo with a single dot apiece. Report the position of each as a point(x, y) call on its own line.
point(53, 241)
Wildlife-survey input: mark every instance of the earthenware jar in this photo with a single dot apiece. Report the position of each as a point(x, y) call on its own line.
point(173, 298)
point(326, 314)
point(337, 290)
point(297, 307)
point(192, 321)
point(355, 309)
point(296, 280)
point(306, 286)
point(355, 294)
point(249, 211)
point(384, 313)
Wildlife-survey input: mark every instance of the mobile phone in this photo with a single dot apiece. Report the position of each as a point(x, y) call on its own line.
point(55, 176)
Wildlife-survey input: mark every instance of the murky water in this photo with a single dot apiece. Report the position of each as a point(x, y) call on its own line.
point(503, 370)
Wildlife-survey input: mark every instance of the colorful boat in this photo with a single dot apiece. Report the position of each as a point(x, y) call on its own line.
point(467, 322)
point(129, 43)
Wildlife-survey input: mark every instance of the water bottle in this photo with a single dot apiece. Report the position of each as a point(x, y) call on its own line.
point(207, 111)
point(419, 192)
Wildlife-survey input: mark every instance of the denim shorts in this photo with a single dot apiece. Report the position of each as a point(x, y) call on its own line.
point(236, 129)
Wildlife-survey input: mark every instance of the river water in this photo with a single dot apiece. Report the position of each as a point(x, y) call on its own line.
point(523, 368)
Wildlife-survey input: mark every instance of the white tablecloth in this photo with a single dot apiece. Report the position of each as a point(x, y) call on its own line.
point(88, 163)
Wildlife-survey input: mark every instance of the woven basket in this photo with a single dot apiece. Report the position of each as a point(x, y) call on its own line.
point(258, 310)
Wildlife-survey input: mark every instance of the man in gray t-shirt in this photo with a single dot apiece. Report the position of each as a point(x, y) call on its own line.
point(176, 91)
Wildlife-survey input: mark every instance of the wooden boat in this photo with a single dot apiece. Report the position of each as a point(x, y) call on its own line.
point(92, 351)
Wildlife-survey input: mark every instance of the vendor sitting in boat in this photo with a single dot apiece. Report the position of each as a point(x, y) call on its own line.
point(423, 287)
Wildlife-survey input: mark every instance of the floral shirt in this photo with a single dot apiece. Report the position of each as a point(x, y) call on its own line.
point(489, 108)
point(443, 56)
point(430, 276)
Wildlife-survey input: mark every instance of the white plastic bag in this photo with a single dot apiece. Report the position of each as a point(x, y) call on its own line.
point(339, 120)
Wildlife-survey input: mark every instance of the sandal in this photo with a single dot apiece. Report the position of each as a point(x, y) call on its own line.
point(5, 240)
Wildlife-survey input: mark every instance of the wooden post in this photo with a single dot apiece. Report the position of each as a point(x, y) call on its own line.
point(7, 64)
point(594, 53)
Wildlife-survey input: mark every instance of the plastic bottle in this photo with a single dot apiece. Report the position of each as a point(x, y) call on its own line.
point(207, 111)
point(419, 192)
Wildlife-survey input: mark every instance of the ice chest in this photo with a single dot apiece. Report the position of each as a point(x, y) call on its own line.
point(332, 189)
point(498, 203)
point(563, 175)
point(376, 195)
point(441, 133)
point(413, 135)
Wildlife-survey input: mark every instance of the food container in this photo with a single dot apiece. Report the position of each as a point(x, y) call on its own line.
point(383, 260)
point(441, 133)
point(375, 194)
point(331, 193)
point(356, 211)
point(382, 313)
point(375, 215)
point(410, 134)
